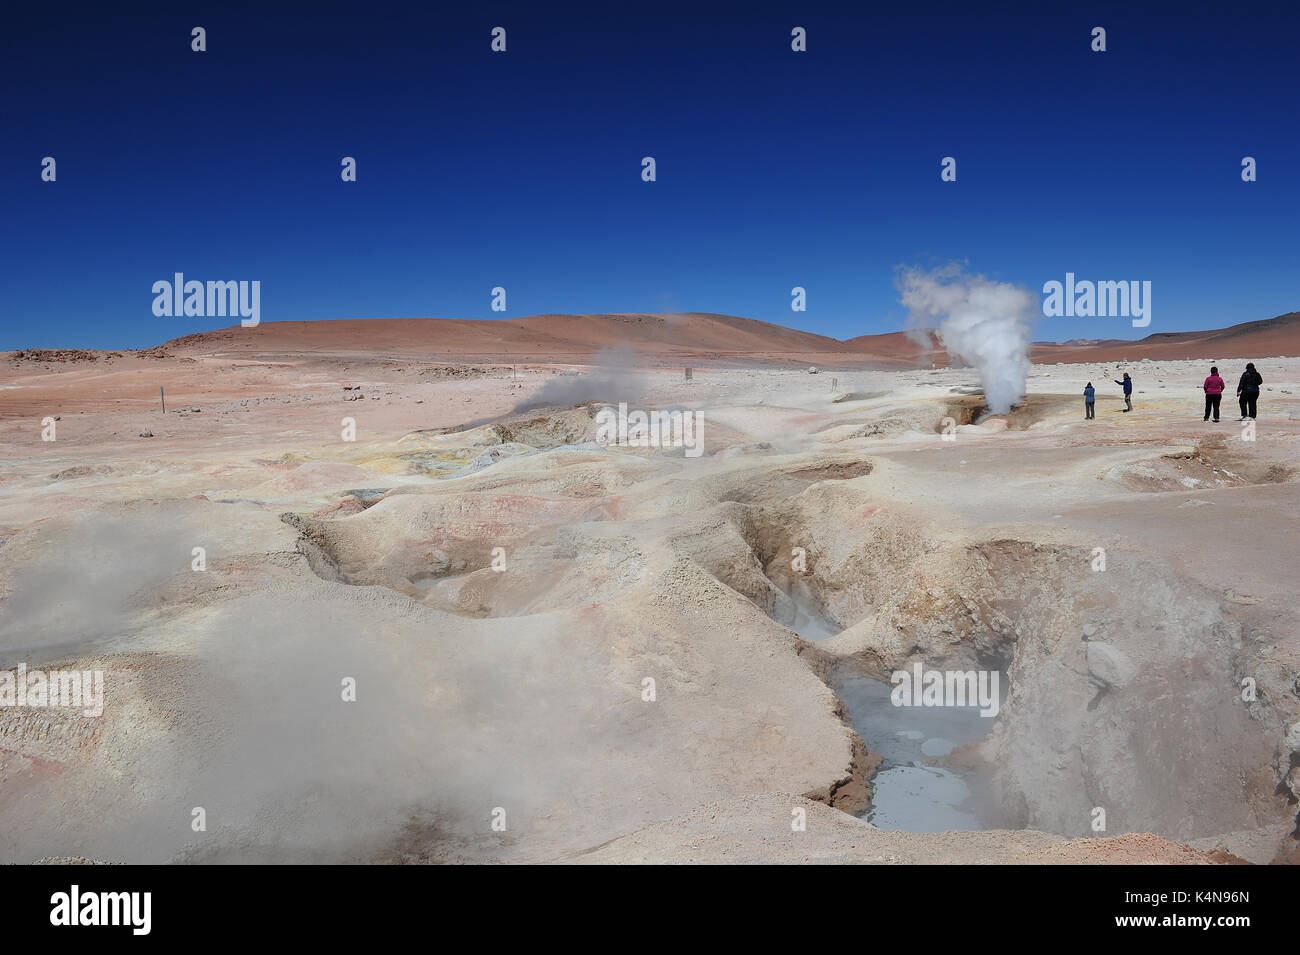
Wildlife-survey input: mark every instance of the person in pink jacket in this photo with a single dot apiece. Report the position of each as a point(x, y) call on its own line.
point(1213, 389)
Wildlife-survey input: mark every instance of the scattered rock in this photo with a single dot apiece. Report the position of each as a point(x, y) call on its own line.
point(146, 433)
point(55, 354)
point(345, 507)
point(1293, 738)
point(1293, 782)
point(1109, 666)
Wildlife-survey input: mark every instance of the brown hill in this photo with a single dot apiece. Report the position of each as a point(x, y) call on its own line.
point(1263, 339)
point(898, 346)
point(677, 338)
point(536, 337)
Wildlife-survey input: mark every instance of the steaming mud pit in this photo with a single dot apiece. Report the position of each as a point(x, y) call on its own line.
point(911, 789)
point(627, 654)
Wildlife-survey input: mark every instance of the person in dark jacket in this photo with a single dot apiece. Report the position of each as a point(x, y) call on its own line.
point(1089, 397)
point(1213, 388)
point(1248, 390)
point(1128, 391)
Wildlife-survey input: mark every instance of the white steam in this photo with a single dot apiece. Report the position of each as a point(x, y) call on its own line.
point(981, 323)
point(616, 377)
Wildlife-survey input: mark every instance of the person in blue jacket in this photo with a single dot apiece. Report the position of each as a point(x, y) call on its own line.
point(1128, 392)
point(1089, 396)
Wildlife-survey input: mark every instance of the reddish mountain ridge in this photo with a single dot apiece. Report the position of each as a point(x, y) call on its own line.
point(696, 335)
point(1271, 337)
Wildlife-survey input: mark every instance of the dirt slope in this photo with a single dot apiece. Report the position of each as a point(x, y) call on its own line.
point(690, 336)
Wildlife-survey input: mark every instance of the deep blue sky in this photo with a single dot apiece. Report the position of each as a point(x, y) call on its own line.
point(522, 169)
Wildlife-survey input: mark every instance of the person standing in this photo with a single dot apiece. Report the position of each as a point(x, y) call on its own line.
point(1089, 408)
point(1248, 390)
point(1128, 392)
point(1213, 388)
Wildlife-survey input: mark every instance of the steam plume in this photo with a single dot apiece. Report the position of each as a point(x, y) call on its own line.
point(981, 323)
point(615, 379)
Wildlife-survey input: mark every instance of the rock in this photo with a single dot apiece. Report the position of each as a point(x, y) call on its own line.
point(813, 370)
point(341, 508)
point(146, 433)
point(1089, 631)
point(1293, 738)
point(1293, 781)
point(1109, 666)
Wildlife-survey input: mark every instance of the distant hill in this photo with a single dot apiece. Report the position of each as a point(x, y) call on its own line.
point(536, 337)
point(1261, 339)
point(699, 336)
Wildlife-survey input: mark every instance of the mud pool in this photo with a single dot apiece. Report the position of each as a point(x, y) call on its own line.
point(908, 792)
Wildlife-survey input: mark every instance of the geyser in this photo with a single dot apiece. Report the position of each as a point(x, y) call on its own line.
point(981, 323)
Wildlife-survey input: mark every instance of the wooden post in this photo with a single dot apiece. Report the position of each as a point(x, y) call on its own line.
point(163, 398)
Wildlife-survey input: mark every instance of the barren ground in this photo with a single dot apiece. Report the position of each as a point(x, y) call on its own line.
point(520, 691)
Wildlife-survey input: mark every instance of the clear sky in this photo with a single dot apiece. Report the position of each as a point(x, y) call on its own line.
point(523, 169)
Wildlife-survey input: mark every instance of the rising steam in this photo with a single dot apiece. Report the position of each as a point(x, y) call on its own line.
point(981, 323)
point(615, 378)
